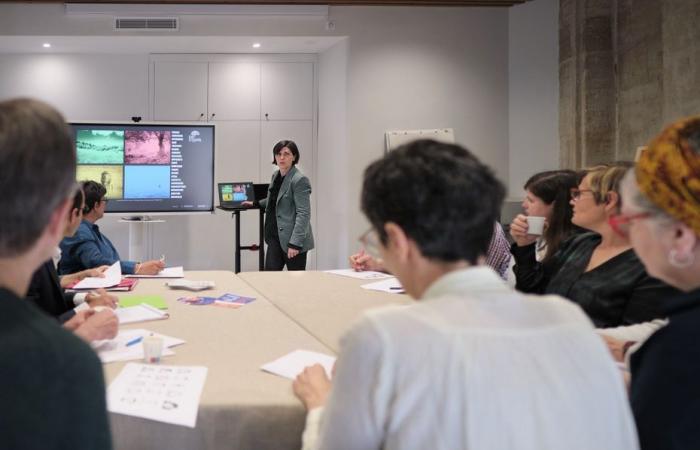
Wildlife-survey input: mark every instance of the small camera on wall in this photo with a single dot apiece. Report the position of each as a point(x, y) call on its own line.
point(136, 119)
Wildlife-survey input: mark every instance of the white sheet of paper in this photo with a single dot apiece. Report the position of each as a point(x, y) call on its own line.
point(110, 350)
point(163, 393)
point(113, 276)
point(364, 275)
point(390, 285)
point(168, 272)
point(292, 364)
point(139, 313)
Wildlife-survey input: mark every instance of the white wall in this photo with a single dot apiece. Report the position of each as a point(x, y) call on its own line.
point(533, 86)
point(333, 159)
point(424, 68)
point(400, 67)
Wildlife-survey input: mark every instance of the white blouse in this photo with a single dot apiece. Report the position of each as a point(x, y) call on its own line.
point(474, 365)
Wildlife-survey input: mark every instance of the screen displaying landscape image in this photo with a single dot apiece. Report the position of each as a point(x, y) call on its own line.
point(147, 147)
point(111, 178)
point(147, 182)
point(100, 146)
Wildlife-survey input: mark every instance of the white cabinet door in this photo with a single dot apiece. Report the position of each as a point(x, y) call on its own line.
point(237, 151)
point(180, 91)
point(287, 91)
point(234, 91)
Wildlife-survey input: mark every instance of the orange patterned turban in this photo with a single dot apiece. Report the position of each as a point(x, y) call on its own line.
point(668, 172)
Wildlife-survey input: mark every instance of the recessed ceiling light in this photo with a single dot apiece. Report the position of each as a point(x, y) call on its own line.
point(47, 45)
point(256, 45)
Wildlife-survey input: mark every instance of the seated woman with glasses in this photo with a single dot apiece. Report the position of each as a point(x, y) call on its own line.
point(598, 269)
point(89, 248)
point(661, 214)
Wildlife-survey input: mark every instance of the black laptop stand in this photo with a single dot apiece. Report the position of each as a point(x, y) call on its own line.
point(260, 247)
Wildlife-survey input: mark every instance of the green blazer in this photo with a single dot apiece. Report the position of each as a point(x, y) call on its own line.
point(293, 210)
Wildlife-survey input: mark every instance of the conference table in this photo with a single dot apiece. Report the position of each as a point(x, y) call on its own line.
point(243, 407)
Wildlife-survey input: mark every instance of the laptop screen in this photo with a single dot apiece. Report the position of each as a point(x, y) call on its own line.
point(231, 195)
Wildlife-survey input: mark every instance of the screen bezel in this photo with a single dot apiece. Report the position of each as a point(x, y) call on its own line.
point(161, 123)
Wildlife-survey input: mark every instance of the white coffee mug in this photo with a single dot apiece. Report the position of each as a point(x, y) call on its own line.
point(535, 225)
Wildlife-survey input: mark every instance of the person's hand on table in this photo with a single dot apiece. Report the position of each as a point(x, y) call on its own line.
point(247, 204)
point(312, 386)
point(617, 347)
point(518, 230)
point(98, 326)
point(292, 252)
point(100, 297)
point(362, 261)
point(78, 319)
point(151, 267)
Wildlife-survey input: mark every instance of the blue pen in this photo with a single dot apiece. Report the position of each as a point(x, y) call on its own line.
point(134, 341)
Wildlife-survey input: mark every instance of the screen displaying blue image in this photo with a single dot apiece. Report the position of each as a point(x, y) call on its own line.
point(146, 182)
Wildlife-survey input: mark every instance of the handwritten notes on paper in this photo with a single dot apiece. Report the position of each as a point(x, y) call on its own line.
point(167, 394)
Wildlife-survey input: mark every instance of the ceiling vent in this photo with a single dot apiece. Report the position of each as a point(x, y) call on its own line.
point(146, 23)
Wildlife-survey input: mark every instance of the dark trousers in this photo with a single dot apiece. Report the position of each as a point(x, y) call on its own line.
point(276, 258)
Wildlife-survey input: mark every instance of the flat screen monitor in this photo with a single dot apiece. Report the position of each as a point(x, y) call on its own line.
point(148, 167)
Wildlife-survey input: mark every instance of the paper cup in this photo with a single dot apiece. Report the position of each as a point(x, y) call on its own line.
point(535, 225)
point(152, 349)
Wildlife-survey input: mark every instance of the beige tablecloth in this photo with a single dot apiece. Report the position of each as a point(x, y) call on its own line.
point(324, 304)
point(241, 406)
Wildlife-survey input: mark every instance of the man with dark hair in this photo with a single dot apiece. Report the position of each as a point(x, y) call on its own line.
point(90, 248)
point(473, 364)
point(53, 394)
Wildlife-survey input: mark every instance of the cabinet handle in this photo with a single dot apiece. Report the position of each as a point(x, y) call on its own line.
point(267, 116)
point(201, 116)
point(212, 116)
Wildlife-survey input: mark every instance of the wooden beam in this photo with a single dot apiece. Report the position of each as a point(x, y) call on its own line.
point(488, 3)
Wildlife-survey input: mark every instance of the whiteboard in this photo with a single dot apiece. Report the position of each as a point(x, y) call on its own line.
point(395, 138)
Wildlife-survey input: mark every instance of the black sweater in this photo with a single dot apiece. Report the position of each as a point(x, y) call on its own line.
point(52, 388)
point(665, 392)
point(618, 292)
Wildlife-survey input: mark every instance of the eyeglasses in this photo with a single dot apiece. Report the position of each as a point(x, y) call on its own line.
point(370, 242)
point(576, 193)
point(284, 155)
point(620, 223)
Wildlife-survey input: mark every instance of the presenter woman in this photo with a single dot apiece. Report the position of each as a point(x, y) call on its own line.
point(288, 212)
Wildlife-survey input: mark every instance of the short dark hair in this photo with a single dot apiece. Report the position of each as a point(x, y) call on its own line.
point(291, 145)
point(94, 193)
point(38, 171)
point(553, 187)
point(440, 194)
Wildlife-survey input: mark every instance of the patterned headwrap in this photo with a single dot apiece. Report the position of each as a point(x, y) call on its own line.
point(668, 172)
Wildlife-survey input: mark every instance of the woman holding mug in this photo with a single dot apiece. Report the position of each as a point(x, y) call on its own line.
point(547, 197)
point(597, 269)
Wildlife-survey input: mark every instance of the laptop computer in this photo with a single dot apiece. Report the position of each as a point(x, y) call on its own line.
point(232, 195)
